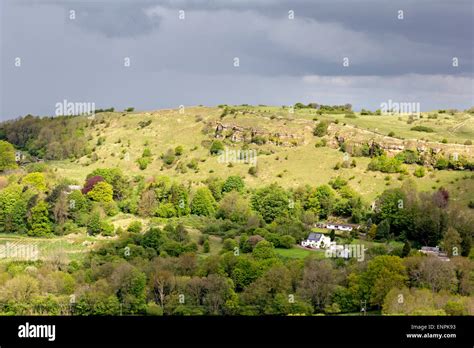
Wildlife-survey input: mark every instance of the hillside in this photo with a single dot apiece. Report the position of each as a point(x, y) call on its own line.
point(289, 157)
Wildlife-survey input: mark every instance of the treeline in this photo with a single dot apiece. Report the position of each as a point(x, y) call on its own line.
point(47, 137)
point(136, 276)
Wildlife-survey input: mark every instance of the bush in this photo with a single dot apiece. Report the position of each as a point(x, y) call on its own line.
point(102, 192)
point(178, 151)
point(321, 129)
point(135, 227)
point(419, 172)
point(391, 134)
point(408, 156)
point(233, 182)
point(442, 163)
point(106, 229)
point(468, 142)
point(253, 171)
point(169, 157)
point(385, 164)
point(143, 162)
point(216, 147)
point(422, 129)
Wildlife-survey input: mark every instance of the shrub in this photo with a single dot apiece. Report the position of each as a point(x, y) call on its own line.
point(391, 134)
point(468, 142)
point(253, 171)
point(143, 162)
point(216, 147)
point(178, 151)
point(233, 182)
point(203, 202)
point(321, 129)
point(442, 163)
point(106, 228)
point(408, 156)
point(422, 129)
point(90, 183)
point(419, 172)
point(101, 192)
point(37, 180)
point(385, 164)
point(135, 227)
point(169, 157)
point(146, 152)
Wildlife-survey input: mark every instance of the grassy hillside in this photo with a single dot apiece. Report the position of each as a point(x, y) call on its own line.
point(118, 140)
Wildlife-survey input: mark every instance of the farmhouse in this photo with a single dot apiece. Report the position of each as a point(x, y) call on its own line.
point(316, 240)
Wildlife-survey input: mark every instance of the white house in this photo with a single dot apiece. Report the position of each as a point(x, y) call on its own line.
point(317, 241)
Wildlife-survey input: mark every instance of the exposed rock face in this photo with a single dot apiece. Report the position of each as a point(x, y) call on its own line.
point(354, 137)
point(241, 134)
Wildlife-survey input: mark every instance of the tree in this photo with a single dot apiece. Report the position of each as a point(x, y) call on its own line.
point(325, 196)
point(319, 282)
point(203, 202)
point(206, 246)
point(9, 197)
point(263, 250)
point(114, 177)
point(61, 209)
point(147, 203)
point(101, 192)
point(233, 183)
point(162, 282)
point(383, 273)
point(36, 180)
point(7, 156)
point(271, 202)
point(90, 183)
point(452, 242)
point(234, 207)
point(40, 225)
point(372, 232)
point(383, 230)
point(406, 249)
point(94, 223)
point(436, 274)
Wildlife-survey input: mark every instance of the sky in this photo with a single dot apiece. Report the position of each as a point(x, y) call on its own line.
point(182, 52)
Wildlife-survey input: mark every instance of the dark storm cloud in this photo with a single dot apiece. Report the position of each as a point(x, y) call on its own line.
point(190, 61)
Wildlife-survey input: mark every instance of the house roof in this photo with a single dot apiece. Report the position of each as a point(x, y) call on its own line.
point(315, 236)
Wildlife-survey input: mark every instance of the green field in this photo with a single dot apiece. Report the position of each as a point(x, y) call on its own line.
point(299, 253)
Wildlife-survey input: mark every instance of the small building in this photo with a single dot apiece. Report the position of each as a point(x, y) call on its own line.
point(434, 251)
point(19, 157)
point(316, 241)
point(72, 188)
point(339, 227)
